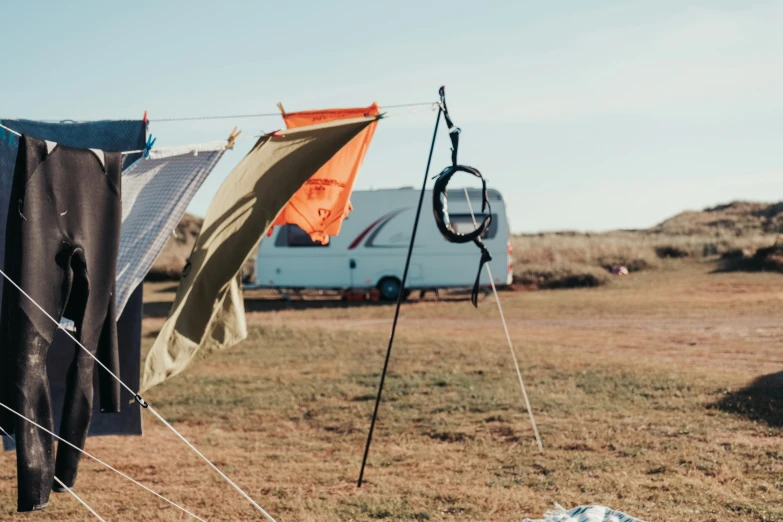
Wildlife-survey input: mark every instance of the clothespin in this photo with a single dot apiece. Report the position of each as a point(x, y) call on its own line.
point(144, 121)
point(232, 138)
point(280, 106)
point(148, 147)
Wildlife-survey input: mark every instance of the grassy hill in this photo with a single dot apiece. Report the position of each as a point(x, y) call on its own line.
point(739, 218)
point(172, 260)
point(740, 233)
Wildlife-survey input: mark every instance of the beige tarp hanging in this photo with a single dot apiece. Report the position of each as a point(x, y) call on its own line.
point(208, 312)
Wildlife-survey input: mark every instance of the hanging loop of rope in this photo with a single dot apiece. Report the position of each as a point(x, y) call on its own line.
point(441, 210)
point(440, 200)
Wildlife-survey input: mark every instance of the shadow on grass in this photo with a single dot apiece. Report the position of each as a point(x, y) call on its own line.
point(766, 259)
point(276, 304)
point(761, 400)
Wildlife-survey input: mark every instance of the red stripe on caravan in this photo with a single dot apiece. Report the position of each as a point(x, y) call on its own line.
point(366, 231)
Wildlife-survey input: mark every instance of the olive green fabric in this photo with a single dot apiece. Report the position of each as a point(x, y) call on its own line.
point(208, 313)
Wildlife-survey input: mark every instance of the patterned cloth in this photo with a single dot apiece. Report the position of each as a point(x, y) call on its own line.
point(155, 193)
point(584, 514)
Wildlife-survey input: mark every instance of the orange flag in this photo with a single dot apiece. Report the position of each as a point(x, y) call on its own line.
point(323, 202)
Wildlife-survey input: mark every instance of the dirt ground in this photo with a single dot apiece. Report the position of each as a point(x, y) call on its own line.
point(640, 390)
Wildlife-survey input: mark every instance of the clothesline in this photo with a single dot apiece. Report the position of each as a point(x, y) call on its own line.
point(242, 116)
point(432, 105)
point(272, 114)
point(139, 132)
point(12, 131)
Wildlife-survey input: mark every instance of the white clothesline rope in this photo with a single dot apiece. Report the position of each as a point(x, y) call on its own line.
point(508, 337)
point(241, 116)
point(141, 401)
point(82, 502)
point(102, 463)
point(273, 114)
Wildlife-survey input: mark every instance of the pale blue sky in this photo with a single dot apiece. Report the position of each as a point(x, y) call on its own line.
point(586, 115)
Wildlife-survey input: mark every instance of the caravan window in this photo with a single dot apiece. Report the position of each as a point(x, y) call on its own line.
point(294, 236)
point(463, 223)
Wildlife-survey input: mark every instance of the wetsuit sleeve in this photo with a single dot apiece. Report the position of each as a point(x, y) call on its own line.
point(108, 346)
point(28, 157)
point(108, 354)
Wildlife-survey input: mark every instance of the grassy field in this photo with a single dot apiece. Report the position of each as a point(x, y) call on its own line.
point(638, 389)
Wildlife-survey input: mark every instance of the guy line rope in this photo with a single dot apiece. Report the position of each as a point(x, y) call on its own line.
point(144, 404)
point(82, 502)
point(99, 461)
point(508, 337)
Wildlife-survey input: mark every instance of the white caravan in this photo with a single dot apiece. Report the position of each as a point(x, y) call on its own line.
point(373, 243)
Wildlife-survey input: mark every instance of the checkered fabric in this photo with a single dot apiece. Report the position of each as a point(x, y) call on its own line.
point(155, 193)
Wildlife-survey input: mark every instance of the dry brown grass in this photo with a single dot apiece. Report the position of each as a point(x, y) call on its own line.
point(577, 254)
point(711, 232)
point(626, 382)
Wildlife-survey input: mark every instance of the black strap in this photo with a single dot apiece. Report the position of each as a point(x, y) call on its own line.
point(440, 200)
point(485, 257)
point(441, 210)
point(453, 131)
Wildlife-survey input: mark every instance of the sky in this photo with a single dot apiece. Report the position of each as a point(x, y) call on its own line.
point(585, 115)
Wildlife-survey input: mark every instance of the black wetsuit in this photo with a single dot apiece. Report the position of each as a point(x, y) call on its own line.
point(62, 240)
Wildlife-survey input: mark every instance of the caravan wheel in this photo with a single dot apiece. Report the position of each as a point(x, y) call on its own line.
point(389, 287)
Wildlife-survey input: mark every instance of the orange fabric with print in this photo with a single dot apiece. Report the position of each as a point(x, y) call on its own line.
point(323, 202)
